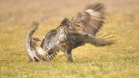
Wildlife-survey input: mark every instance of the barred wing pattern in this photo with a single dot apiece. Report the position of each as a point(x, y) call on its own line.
point(90, 20)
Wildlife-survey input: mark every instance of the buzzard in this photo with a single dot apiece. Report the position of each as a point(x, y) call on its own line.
point(33, 49)
point(81, 29)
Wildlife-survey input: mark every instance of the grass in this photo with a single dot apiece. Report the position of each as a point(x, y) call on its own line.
point(120, 60)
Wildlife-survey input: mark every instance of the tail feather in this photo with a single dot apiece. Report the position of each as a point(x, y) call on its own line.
point(101, 41)
point(95, 40)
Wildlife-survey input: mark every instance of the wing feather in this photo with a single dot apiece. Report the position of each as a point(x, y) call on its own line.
point(90, 20)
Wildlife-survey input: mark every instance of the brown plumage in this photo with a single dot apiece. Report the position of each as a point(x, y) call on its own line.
point(76, 32)
point(33, 49)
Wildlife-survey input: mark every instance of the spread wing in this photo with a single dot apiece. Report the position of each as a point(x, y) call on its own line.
point(90, 20)
point(87, 23)
point(47, 41)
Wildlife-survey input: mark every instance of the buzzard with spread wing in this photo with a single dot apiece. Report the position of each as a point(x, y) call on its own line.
point(76, 32)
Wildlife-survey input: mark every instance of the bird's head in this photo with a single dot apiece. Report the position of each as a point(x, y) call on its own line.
point(35, 40)
point(67, 24)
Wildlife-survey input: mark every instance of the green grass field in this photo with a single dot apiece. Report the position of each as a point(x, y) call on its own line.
point(120, 60)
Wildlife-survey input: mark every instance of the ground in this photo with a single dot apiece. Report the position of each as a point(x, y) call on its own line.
point(120, 60)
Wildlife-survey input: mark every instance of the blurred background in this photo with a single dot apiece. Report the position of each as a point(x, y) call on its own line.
point(23, 12)
point(120, 60)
